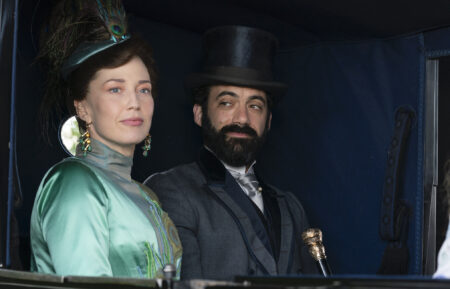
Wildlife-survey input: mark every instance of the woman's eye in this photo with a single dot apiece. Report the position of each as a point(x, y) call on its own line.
point(145, 91)
point(114, 90)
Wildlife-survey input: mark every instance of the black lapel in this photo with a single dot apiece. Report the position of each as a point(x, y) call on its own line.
point(287, 233)
point(230, 194)
point(272, 216)
point(211, 167)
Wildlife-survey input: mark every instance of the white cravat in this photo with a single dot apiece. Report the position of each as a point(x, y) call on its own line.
point(249, 184)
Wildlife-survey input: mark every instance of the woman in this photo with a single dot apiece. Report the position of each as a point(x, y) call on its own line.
point(89, 216)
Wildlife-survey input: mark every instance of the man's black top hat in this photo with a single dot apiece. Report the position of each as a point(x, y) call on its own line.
point(240, 56)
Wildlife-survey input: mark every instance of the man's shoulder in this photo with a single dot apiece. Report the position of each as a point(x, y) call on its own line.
point(179, 175)
point(178, 187)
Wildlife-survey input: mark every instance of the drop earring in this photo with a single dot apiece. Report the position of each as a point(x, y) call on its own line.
point(147, 145)
point(85, 140)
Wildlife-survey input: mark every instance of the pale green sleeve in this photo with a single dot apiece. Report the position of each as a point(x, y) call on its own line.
point(72, 207)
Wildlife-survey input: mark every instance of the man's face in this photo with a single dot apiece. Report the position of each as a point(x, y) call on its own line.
point(235, 121)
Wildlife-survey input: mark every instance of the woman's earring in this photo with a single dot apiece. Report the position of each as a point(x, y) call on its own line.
point(85, 140)
point(147, 145)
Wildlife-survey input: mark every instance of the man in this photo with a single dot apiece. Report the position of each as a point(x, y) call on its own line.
point(229, 221)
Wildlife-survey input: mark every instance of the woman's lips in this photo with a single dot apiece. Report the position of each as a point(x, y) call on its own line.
point(133, 121)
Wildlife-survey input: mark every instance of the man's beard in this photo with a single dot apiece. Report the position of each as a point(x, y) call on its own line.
point(235, 152)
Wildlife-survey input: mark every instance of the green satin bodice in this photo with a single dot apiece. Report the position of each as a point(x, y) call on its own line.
point(90, 218)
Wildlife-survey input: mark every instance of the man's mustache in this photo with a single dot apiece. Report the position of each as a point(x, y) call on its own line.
point(239, 129)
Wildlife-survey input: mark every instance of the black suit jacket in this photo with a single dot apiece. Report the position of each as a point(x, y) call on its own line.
point(222, 232)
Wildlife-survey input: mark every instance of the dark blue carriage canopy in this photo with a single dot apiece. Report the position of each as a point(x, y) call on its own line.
point(330, 134)
point(348, 64)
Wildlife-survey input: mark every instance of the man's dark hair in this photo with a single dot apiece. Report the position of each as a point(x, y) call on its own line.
point(200, 97)
point(200, 94)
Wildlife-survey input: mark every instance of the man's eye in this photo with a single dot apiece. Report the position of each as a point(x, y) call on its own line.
point(114, 90)
point(255, 106)
point(225, 103)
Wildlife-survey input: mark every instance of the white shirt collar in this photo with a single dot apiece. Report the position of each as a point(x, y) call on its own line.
point(239, 170)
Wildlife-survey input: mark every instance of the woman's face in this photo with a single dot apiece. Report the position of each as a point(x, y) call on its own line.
point(119, 104)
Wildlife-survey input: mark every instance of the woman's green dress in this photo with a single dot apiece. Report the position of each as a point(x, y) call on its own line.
point(90, 218)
